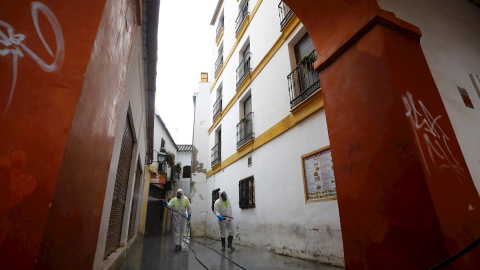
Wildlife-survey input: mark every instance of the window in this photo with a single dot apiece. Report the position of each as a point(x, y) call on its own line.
point(217, 149)
point(242, 14)
point(217, 106)
point(162, 145)
point(219, 61)
point(303, 80)
point(245, 126)
point(215, 196)
point(285, 13)
point(220, 26)
point(246, 193)
point(244, 67)
point(187, 171)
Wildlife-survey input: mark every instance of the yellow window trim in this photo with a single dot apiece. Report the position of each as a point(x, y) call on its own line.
point(278, 44)
point(251, 15)
point(311, 105)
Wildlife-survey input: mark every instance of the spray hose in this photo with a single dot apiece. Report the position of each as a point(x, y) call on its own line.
point(173, 209)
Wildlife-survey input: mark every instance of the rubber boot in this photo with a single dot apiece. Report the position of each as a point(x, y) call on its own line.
point(230, 239)
point(223, 244)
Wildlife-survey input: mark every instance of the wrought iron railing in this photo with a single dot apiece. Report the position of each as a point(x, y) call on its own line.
point(284, 12)
point(221, 24)
point(245, 130)
point(217, 107)
point(243, 69)
point(303, 80)
point(216, 153)
point(241, 17)
point(218, 63)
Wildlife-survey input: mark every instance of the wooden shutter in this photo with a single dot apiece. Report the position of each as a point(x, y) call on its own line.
point(120, 192)
point(133, 211)
point(303, 47)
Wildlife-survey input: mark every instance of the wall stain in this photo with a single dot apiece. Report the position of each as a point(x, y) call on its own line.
point(197, 167)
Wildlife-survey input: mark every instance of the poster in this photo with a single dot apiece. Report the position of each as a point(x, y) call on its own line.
point(319, 179)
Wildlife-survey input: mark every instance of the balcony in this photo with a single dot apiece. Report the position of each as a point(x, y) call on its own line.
point(241, 17)
point(303, 80)
point(218, 63)
point(245, 130)
point(221, 24)
point(217, 107)
point(216, 153)
point(285, 13)
point(243, 69)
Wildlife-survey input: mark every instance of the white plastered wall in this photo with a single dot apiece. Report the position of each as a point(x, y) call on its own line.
point(450, 42)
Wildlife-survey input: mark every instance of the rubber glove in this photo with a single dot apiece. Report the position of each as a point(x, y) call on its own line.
point(165, 203)
point(188, 218)
point(220, 217)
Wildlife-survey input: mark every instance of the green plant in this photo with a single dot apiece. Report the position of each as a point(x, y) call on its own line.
point(170, 158)
point(178, 167)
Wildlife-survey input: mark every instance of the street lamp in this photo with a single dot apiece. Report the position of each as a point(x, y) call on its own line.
point(160, 156)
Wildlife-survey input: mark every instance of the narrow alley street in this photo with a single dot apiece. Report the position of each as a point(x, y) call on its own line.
point(157, 252)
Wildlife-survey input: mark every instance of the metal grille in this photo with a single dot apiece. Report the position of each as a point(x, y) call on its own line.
point(241, 17)
point(218, 63)
point(303, 80)
point(284, 12)
point(120, 192)
point(217, 107)
point(220, 27)
point(246, 193)
point(133, 211)
point(216, 153)
point(245, 129)
point(243, 69)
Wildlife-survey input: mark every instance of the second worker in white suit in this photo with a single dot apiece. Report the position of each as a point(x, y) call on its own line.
point(223, 209)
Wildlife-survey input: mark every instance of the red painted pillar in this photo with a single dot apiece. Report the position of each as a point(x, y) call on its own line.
point(406, 197)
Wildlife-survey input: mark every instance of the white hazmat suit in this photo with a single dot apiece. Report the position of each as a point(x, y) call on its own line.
point(181, 210)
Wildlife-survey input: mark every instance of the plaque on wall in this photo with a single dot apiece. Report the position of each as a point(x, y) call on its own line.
point(318, 177)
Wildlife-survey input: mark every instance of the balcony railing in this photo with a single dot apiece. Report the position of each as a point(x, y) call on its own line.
point(243, 69)
point(221, 24)
point(217, 107)
point(303, 80)
point(245, 130)
point(284, 12)
point(241, 17)
point(216, 153)
point(218, 63)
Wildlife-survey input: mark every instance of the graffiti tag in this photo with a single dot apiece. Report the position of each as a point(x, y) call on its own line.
point(13, 44)
point(431, 136)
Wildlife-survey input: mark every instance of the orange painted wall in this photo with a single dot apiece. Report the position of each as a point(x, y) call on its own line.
point(80, 191)
point(401, 205)
point(36, 125)
point(56, 124)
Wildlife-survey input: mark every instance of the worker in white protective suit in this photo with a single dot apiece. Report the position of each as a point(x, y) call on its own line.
point(180, 205)
point(223, 209)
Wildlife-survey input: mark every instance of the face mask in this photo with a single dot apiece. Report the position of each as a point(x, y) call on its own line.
point(179, 195)
point(224, 197)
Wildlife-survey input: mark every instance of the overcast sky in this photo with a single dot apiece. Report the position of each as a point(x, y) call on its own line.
point(185, 40)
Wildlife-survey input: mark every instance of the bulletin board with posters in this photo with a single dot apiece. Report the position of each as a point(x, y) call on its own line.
point(318, 177)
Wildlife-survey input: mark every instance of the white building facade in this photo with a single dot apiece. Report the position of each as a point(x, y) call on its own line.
point(260, 122)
